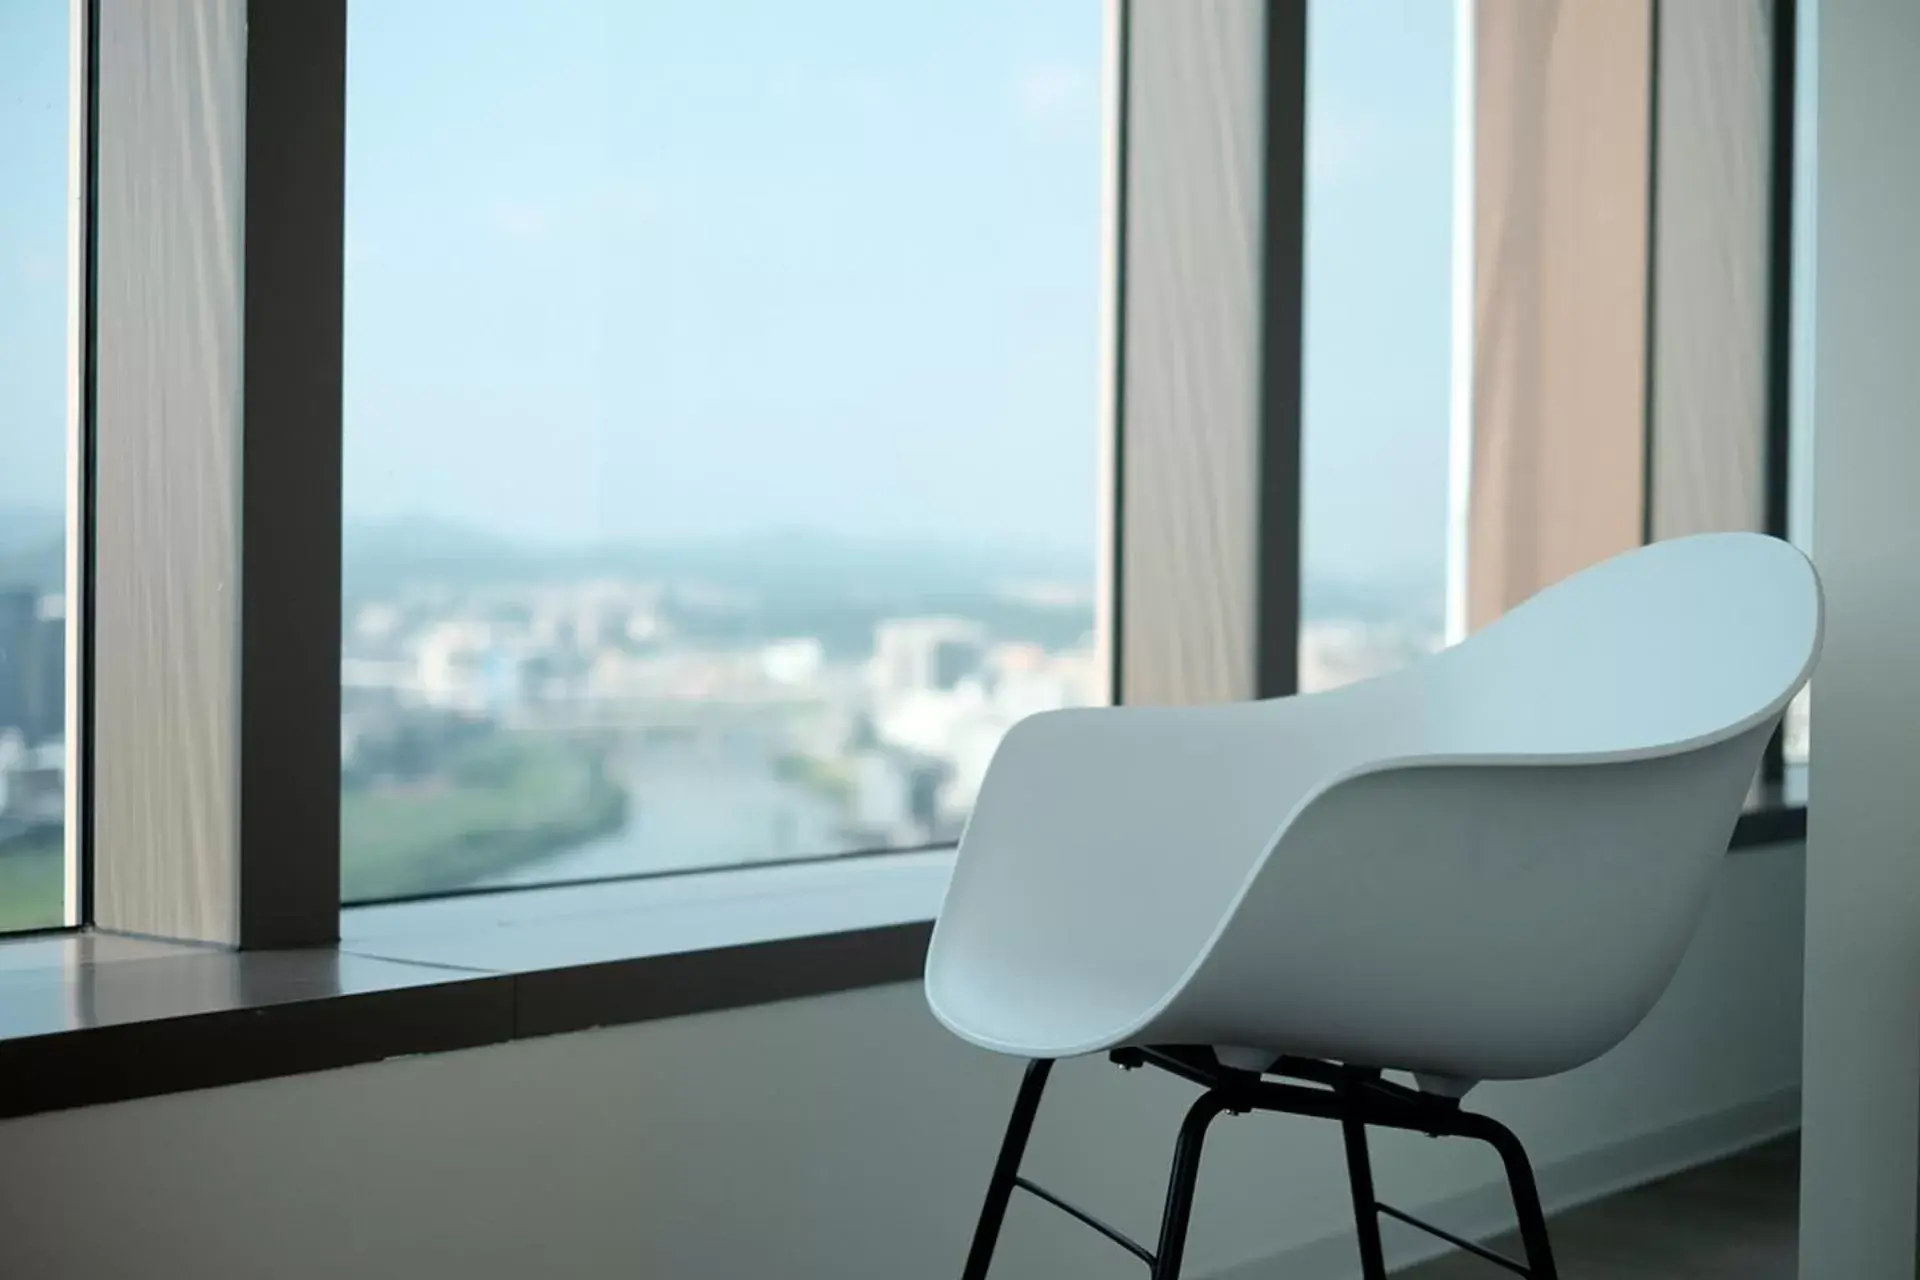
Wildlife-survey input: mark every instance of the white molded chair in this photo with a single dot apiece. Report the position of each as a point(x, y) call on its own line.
point(1486, 865)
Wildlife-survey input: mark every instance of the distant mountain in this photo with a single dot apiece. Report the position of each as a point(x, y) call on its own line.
point(379, 556)
point(793, 575)
point(786, 583)
point(382, 557)
point(1387, 600)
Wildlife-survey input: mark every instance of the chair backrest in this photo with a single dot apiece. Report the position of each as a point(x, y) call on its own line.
point(1675, 645)
point(1486, 864)
point(1514, 840)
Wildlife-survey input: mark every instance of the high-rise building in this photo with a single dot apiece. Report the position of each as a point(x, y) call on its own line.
point(918, 654)
point(19, 627)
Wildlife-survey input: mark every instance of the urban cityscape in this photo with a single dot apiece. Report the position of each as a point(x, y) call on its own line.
point(578, 727)
point(517, 717)
point(526, 718)
point(569, 722)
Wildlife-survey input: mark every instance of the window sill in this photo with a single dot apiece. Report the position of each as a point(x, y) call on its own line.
point(92, 1018)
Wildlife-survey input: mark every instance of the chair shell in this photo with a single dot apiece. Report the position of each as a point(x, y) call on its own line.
point(1485, 865)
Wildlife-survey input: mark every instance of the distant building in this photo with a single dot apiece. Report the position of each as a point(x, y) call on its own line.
point(920, 654)
point(32, 782)
point(33, 665)
point(928, 720)
point(881, 803)
point(46, 680)
point(19, 614)
point(450, 665)
point(793, 662)
point(377, 622)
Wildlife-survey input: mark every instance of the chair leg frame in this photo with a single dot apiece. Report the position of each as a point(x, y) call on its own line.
point(1357, 1099)
point(1006, 1170)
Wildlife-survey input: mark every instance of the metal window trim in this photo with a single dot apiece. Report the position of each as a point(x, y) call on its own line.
point(1279, 564)
point(82, 155)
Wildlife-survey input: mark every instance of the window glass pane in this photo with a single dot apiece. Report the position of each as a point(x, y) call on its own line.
point(33, 459)
point(720, 425)
point(1594, 371)
point(1377, 337)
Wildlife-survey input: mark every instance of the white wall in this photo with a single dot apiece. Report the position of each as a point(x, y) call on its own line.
point(845, 1138)
point(1862, 1149)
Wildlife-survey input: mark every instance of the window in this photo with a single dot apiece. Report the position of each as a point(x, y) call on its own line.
point(34, 322)
point(1376, 363)
point(720, 426)
point(1605, 365)
point(748, 414)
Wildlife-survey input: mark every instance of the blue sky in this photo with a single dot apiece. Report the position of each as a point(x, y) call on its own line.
point(1378, 281)
point(628, 270)
point(33, 253)
point(672, 270)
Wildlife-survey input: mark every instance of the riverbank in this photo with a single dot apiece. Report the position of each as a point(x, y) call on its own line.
point(32, 883)
point(502, 803)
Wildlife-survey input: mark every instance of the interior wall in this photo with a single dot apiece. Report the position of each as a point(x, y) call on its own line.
point(1862, 1153)
point(842, 1137)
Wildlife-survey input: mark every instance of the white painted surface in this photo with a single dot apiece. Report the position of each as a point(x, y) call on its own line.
point(845, 1138)
point(1863, 873)
point(1484, 865)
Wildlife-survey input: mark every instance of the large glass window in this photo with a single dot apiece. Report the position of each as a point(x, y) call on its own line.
point(1377, 325)
point(1538, 307)
point(34, 321)
point(720, 413)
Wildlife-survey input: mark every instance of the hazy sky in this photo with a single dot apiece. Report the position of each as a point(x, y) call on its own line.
point(1379, 289)
point(622, 269)
point(33, 252)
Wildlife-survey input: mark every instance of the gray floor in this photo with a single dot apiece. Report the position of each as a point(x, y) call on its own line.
point(1735, 1218)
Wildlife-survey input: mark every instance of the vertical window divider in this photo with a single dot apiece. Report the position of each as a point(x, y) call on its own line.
point(1282, 291)
point(214, 797)
point(1206, 594)
point(1779, 394)
point(1111, 501)
point(82, 157)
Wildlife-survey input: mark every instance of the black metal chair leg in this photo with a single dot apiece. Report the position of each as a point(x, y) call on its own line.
point(1000, 1188)
point(1186, 1170)
point(1526, 1200)
point(1366, 1213)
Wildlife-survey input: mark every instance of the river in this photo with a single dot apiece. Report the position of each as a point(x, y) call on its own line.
point(713, 801)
